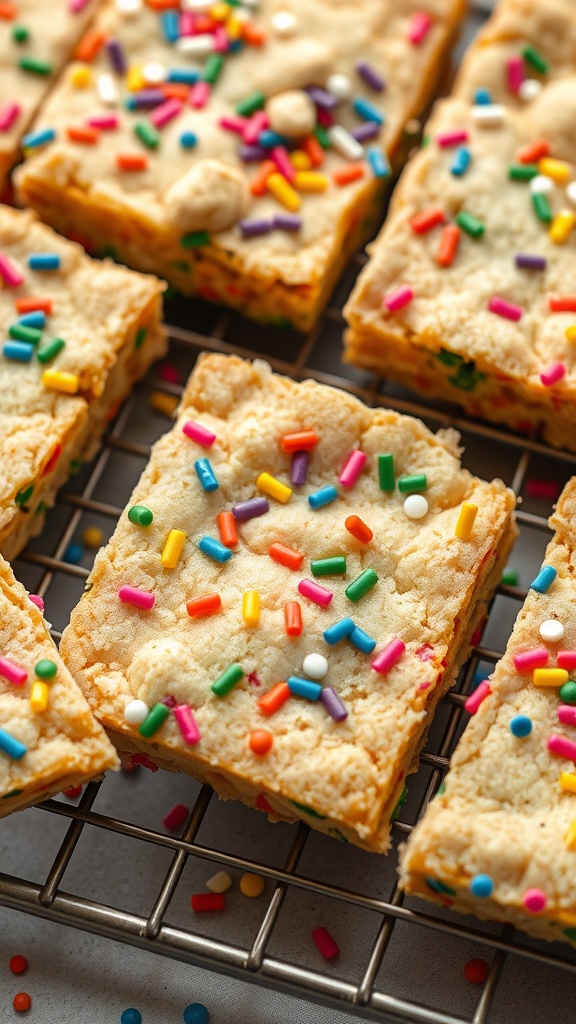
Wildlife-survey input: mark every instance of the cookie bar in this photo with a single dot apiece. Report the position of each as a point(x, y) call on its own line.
point(35, 43)
point(470, 293)
point(78, 334)
point(293, 587)
point(500, 839)
point(240, 152)
point(49, 739)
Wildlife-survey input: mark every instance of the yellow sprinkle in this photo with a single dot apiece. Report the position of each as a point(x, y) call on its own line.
point(466, 518)
point(300, 160)
point(233, 28)
point(39, 696)
point(283, 192)
point(568, 782)
point(570, 837)
point(558, 170)
point(219, 12)
point(269, 485)
point(92, 537)
point(561, 227)
point(571, 333)
point(310, 181)
point(550, 676)
point(162, 402)
point(81, 76)
point(173, 549)
point(251, 607)
point(252, 885)
point(57, 380)
point(135, 78)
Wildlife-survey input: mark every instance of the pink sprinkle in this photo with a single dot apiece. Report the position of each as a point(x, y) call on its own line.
point(504, 308)
point(325, 944)
point(139, 598)
point(553, 374)
point(169, 373)
point(314, 592)
point(254, 679)
point(187, 724)
point(280, 157)
point(12, 672)
point(196, 432)
point(37, 600)
point(221, 39)
point(524, 661)
point(389, 656)
point(352, 469)
point(535, 900)
point(324, 117)
point(233, 123)
point(166, 112)
point(9, 272)
point(425, 653)
point(8, 114)
point(187, 23)
point(562, 747)
point(542, 489)
point(566, 659)
point(176, 818)
point(199, 95)
point(567, 714)
point(420, 25)
point(77, 5)
point(252, 128)
point(425, 686)
point(475, 699)
point(515, 73)
point(145, 761)
point(453, 138)
point(106, 122)
point(399, 298)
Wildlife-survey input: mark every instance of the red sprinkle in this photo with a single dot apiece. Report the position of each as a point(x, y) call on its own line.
point(73, 792)
point(176, 817)
point(448, 245)
point(325, 944)
point(131, 161)
point(201, 606)
point(542, 489)
point(206, 901)
point(261, 804)
point(22, 1002)
point(562, 304)
point(428, 219)
point(300, 441)
point(145, 761)
point(260, 741)
point(86, 136)
point(476, 971)
point(534, 152)
point(18, 964)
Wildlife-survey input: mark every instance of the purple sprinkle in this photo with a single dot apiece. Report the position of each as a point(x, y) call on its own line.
point(252, 154)
point(334, 704)
point(255, 226)
point(169, 701)
point(249, 509)
point(321, 98)
point(368, 130)
point(147, 98)
point(527, 262)
point(370, 76)
point(287, 222)
point(299, 468)
point(117, 56)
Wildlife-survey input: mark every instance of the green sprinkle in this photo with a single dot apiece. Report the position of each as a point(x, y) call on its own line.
point(250, 104)
point(227, 681)
point(154, 719)
point(426, 140)
point(75, 466)
point(449, 358)
point(522, 172)
point(46, 669)
point(510, 577)
point(147, 134)
point(140, 336)
point(338, 835)
point(41, 507)
point(568, 692)
point(401, 801)
point(212, 68)
point(441, 789)
point(23, 496)
point(20, 34)
point(13, 792)
point(335, 566)
point(535, 60)
point(140, 515)
point(467, 377)
point(542, 207)
point(361, 585)
point(386, 472)
point(194, 239)
point(321, 134)
point(410, 484)
point(309, 810)
point(470, 224)
point(22, 333)
point(50, 350)
point(436, 886)
point(570, 933)
point(35, 66)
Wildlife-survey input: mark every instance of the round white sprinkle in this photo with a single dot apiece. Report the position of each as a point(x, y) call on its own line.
point(542, 184)
point(129, 7)
point(530, 89)
point(135, 712)
point(284, 23)
point(340, 86)
point(415, 506)
point(315, 666)
point(154, 72)
point(571, 193)
point(219, 882)
point(551, 631)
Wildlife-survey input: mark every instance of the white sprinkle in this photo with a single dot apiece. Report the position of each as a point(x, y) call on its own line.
point(415, 506)
point(219, 882)
point(530, 90)
point(129, 7)
point(154, 72)
point(315, 666)
point(197, 46)
point(107, 90)
point(196, 5)
point(488, 115)
point(284, 23)
point(541, 184)
point(340, 86)
point(345, 143)
point(135, 712)
point(571, 193)
point(551, 631)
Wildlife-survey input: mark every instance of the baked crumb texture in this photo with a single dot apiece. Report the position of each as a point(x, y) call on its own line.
point(49, 739)
point(240, 152)
point(470, 291)
point(77, 334)
point(333, 751)
point(499, 841)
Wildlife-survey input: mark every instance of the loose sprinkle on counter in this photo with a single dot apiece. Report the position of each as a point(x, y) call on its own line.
point(325, 944)
point(204, 902)
point(174, 820)
point(220, 882)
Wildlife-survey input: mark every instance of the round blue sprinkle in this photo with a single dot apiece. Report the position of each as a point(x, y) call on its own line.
point(188, 140)
point(481, 886)
point(131, 1016)
point(196, 1013)
point(73, 554)
point(520, 726)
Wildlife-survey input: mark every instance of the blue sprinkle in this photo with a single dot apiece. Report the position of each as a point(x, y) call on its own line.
point(130, 103)
point(131, 1016)
point(378, 162)
point(170, 25)
point(214, 549)
point(483, 97)
point(20, 351)
point(235, 46)
point(188, 140)
point(11, 746)
point(73, 554)
point(304, 688)
point(196, 1013)
point(185, 76)
point(206, 475)
point(460, 162)
point(478, 677)
point(268, 138)
point(520, 726)
point(325, 496)
point(339, 631)
point(364, 108)
point(481, 886)
point(35, 319)
point(544, 579)
point(44, 261)
point(361, 640)
point(34, 139)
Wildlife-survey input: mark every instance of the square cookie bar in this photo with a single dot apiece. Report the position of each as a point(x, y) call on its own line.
point(49, 739)
point(240, 152)
point(78, 334)
point(499, 841)
point(293, 587)
point(470, 292)
point(37, 37)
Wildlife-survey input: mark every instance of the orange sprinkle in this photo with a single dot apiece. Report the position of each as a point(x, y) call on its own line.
point(448, 247)
point(286, 556)
point(88, 136)
point(562, 304)
point(227, 529)
point(534, 152)
point(90, 45)
point(358, 529)
point(348, 173)
point(312, 147)
point(175, 91)
point(8, 11)
point(427, 220)
point(204, 23)
point(163, 5)
point(272, 701)
point(252, 34)
point(132, 161)
point(258, 183)
point(260, 741)
point(299, 441)
point(30, 304)
point(292, 618)
point(201, 606)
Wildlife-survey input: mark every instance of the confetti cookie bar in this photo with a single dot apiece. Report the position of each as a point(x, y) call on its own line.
point(293, 587)
point(78, 334)
point(49, 739)
point(37, 37)
point(470, 293)
point(240, 152)
point(500, 839)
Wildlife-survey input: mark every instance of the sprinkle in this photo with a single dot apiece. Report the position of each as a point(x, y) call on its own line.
point(344, 143)
point(558, 170)
point(567, 693)
point(386, 472)
point(14, 673)
point(361, 585)
point(154, 720)
point(73, 554)
point(276, 697)
point(35, 66)
point(250, 509)
point(505, 309)
point(9, 113)
point(285, 555)
point(367, 110)
point(20, 332)
point(340, 86)
point(378, 163)
point(551, 631)
point(18, 964)
point(515, 73)
point(203, 902)
point(534, 900)
point(470, 224)
point(561, 228)
point(304, 688)
point(567, 781)
point(465, 522)
point(389, 656)
point(424, 222)
point(254, 227)
point(562, 747)
point(19, 351)
point(139, 598)
point(11, 746)
point(334, 566)
point(228, 680)
point(220, 882)
point(284, 23)
point(566, 659)
point(314, 592)
point(136, 712)
point(292, 618)
point(473, 702)
point(302, 440)
point(187, 724)
point(476, 971)
point(352, 468)
point(570, 333)
point(227, 529)
point(8, 271)
point(562, 304)
point(550, 676)
point(361, 640)
point(35, 139)
point(37, 601)
point(461, 161)
point(260, 743)
point(311, 181)
point(206, 475)
point(488, 115)
point(399, 298)
point(567, 715)
point(253, 885)
point(525, 261)
point(196, 432)
point(520, 726)
point(339, 631)
point(530, 90)
point(481, 886)
point(544, 579)
point(176, 817)
point(273, 488)
point(147, 134)
point(201, 606)
point(535, 59)
point(196, 1013)
point(370, 75)
point(172, 549)
point(131, 161)
point(358, 529)
point(542, 207)
point(140, 515)
point(214, 549)
point(325, 496)
point(570, 840)
point(325, 944)
point(283, 192)
point(452, 138)
point(553, 374)
point(333, 704)
point(315, 666)
point(287, 222)
point(525, 661)
point(57, 380)
point(410, 484)
point(571, 193)
point(251, 608)
point(522, 172)
point(22, 1002)
point(415, 506)
point(80, 76)
point(299, 468)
